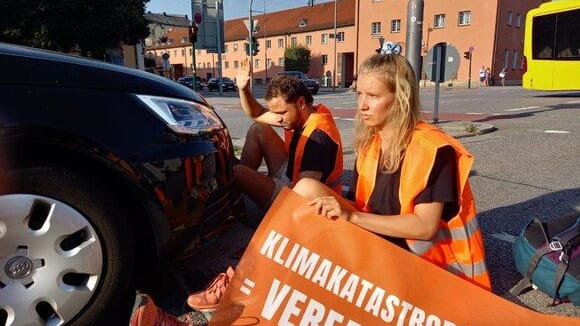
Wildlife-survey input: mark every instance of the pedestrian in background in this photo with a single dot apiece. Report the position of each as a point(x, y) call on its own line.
point(482, 76)
point(487, 76)
point(410, 182)
point(502, 76)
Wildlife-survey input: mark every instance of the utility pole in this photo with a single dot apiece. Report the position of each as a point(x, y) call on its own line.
point(414, 35)
point(250, 31)
point(334, 68)
point(265, 47)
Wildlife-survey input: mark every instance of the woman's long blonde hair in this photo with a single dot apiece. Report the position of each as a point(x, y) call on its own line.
point(402, 116)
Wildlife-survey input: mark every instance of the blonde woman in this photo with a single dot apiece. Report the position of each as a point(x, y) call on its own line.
point(410, 184)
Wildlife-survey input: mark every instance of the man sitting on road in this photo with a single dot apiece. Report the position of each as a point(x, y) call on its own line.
point(312, 148)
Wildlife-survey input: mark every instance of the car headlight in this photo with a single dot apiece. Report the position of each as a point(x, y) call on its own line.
point(183, 117)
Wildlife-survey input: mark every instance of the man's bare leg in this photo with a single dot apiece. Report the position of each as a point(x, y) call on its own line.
point(262, 142)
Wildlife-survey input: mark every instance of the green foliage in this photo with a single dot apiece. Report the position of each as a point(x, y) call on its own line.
point(88, 27)
point(297, 58)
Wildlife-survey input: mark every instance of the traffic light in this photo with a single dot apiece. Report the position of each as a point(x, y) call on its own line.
point(467, 55)
point(193, 33)
point(255, 46)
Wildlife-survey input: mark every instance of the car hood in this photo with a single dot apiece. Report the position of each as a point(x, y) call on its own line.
point(28, 66)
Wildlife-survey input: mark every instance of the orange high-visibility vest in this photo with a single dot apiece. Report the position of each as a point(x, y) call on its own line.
point(458, 244)
point(320, 119)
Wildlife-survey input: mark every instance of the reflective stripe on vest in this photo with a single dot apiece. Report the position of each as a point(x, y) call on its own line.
point(458, 244)
point(320, 119)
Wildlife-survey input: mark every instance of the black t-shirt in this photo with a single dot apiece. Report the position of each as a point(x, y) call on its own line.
point(319, 153)
point(441, 187)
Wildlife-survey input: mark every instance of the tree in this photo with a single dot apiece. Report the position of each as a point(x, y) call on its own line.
point(297, 57)
point(88, 27)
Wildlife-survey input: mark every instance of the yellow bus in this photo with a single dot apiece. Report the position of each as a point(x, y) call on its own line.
point(552, 46)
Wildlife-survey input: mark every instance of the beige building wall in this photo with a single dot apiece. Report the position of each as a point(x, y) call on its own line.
point(496, 39)
point(487, 31)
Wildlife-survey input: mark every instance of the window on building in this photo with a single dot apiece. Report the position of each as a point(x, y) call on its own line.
point(340, 37)
point(439, 21)
point(268, 44)
point(281, 62)
point(395, 25)
point(190, 51)
point(236, 64)
point(308, 39)
point(465, 18)
point(235, 47)
point(280, 42)
point(377, 0)
point(324, 59)
point(208, 65)
point(509, 18)
point(269, 63)
point(506, 58)
point(175, 53)
point(518, 20)
point(256, 63)
point(376, 28)
point(183, 52)
point(324, 38)
point(293, 41)
point(198, 52)
point(515, 60)
point(227, 64)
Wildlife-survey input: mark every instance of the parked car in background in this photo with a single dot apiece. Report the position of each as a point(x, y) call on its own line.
point(105, 171)
point(188, 81)
point(227, 84)
point(312, 84)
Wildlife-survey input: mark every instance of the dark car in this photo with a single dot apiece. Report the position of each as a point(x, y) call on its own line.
point(188, 81)
point(105, 172)
point(311, 84)
point(227, 84)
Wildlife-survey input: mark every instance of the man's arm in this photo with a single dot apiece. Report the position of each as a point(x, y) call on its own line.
point(252, 108)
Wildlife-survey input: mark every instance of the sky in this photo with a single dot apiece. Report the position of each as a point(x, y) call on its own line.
point(232, 8)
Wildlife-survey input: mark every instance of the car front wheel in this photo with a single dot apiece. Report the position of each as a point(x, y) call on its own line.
point(66, 255)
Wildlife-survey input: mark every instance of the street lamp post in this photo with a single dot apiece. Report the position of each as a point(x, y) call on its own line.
point(250, 30)
point(334, 69)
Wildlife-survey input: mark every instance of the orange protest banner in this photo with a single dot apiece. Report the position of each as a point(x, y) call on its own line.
point(303, 269)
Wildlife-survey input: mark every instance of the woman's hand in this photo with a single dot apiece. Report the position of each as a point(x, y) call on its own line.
point(330, 208)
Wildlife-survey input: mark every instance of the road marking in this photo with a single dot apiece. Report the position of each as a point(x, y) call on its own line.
point(572, 102)
point(522, 109)
point(504, 236)
point(474, 113)
point(556, 132)
point(343, 119)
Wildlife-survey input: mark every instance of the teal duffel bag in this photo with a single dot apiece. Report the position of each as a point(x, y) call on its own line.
point(547, 254)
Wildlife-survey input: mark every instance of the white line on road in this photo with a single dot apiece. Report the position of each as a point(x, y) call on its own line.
point(522, 109)
point(474, 113)
point(572, 102)
point(556, 131)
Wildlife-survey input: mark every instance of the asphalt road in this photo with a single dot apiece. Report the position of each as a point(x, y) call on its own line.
point(527, 168)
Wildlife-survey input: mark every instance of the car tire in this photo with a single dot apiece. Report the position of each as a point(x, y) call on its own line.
point(70, 229)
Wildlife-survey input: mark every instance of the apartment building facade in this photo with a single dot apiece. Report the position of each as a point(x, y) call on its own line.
point(494, 29)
